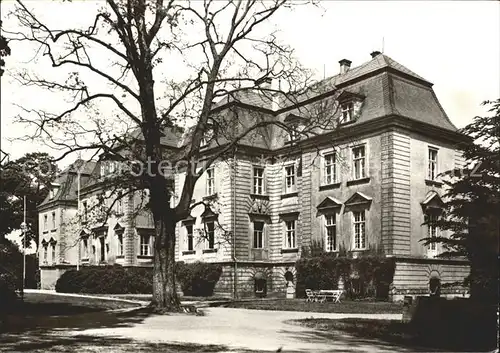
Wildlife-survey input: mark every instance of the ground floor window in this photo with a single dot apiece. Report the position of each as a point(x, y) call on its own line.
point(290, 235)
point(53, 253)
point(258, 235)
point(145, 247)
point(210, 234)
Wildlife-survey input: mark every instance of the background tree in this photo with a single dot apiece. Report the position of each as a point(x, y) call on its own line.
point(4, 51)
point(145, 67)
point(472, 208)
point(27, 176)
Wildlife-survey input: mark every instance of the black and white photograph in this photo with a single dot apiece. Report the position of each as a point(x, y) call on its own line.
point(243, 176)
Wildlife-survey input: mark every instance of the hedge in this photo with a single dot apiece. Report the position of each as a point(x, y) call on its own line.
point(106, 280)
point(196, 279)
point(363, 277)
point(199, 278)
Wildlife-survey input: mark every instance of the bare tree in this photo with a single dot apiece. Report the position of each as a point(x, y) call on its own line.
point(122, 76)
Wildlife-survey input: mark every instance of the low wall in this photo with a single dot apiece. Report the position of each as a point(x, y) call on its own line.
point(412, 276)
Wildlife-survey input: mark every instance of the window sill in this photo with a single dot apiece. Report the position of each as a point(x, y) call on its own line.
point(209, 251)
point(85, 259)
point(188, 252)
point(210, 197)
point(259, 196)
point(45, 232)
point(358, 181)
point(120, 256)
point(144, 256)
point(289, 194)
point(289, 251)
point(329, 186)
point(435, 183)
point(53, 230)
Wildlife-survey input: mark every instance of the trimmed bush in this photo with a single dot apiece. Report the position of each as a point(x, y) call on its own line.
point(196, 279)
point(107, 280)
point(199, 278)
point(364, 277)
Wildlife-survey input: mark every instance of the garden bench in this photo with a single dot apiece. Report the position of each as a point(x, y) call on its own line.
point(334, 294)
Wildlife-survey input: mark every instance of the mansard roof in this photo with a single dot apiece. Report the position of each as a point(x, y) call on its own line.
point(67, 182)
point(387, 87)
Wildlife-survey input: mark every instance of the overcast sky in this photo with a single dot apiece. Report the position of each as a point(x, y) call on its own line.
point(453, 44)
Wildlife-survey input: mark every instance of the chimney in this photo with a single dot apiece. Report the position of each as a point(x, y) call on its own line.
point(344, 65)
point(375, 53)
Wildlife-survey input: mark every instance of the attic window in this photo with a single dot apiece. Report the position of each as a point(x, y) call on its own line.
point(295, 125)
point(350, 105)
point(347, 112)
point(207, 137)
point(53, 191)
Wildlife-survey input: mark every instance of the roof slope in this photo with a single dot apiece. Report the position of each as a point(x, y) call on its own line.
point(68, 181)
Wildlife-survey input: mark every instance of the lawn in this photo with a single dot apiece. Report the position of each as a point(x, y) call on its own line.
point(345, 306)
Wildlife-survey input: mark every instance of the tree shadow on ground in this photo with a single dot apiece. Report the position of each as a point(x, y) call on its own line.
point(341, 342)
point(82, 343)
point(387, 334)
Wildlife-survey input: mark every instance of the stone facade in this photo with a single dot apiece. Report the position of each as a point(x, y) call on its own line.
point(366, 185)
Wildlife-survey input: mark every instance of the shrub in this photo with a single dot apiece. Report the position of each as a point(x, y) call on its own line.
point(107, 280)
point(363, 277)
point(199, 278)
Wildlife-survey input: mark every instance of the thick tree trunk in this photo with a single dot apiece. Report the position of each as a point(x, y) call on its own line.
point(165, 296)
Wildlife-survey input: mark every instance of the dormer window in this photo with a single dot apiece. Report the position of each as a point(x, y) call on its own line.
point(350, 106)
point(295, 125)
point(347, 112)
point(207, 137)
point(53, 191)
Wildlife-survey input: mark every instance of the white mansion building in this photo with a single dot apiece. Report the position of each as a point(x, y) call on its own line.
point(367, 185)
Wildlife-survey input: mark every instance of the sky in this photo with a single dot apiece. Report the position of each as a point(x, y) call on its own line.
point(453, 44)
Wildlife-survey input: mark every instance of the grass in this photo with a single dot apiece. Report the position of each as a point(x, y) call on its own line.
point(345, 306)
point(396, 332)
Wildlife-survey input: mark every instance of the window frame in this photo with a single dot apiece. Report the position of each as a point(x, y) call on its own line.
point(293, 177)
point(256, 179)
point(333, 166)
point(361, 233)
point(290, 234)
point(53, 214)
point(53, 253)
point(210, 235)
point(85, 254)
point(432, 165)
point(258, 235)
point(329, 226)
point(189, 237)
point(45, 222)
point(145, 245)
point(362, 160)
point(432, 228)
point(347, 111)
point(210, 180)
point(120, 239)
